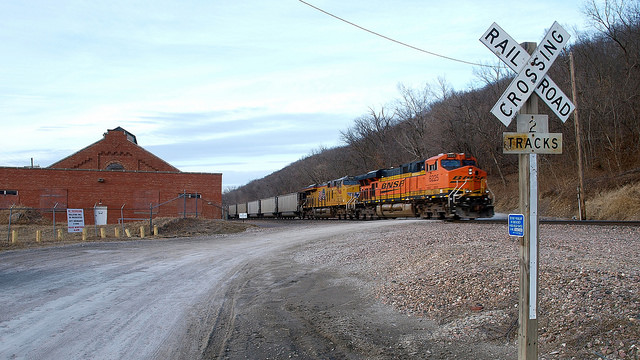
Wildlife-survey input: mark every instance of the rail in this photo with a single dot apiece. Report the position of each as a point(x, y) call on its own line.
point(556, 222)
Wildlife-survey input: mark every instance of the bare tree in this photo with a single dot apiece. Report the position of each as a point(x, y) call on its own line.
point(612, 82)
point(491, 75)
point(618, 20)
point(369, 137)
point(416, 130)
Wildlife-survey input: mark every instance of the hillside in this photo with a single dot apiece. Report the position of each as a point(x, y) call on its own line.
point(437, 119)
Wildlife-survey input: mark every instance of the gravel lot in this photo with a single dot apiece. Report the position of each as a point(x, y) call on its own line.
point(465, 277)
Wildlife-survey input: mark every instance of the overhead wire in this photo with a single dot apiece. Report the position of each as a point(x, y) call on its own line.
point(394, 40)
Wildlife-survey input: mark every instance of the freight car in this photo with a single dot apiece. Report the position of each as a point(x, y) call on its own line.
point(290, 205)
point(269, 207)
point(445, 186)
point(281, 206)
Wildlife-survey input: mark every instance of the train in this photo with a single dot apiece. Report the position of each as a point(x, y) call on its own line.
point(446, 186)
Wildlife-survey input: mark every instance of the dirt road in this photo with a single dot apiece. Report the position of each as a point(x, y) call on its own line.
point(251, 295)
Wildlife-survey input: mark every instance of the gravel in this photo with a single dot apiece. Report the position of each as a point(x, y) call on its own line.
point(465, 277)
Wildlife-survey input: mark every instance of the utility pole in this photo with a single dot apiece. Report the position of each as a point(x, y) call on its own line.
point(581, 207)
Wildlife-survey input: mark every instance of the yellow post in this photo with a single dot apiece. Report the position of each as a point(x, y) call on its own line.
point(126, 231)
point(59, 234)
point(14, 237)
point(84, 234)
point(117, 232)
point(38, 236)
point(141, 231)
point(155, 230)
point(103, 233)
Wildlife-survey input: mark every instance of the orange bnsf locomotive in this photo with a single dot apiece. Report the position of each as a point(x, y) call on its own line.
point(446, 186)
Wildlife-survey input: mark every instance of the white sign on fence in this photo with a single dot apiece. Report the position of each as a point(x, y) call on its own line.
point(75, 220)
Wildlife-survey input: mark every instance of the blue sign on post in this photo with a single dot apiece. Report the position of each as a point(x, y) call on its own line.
point(516, 225)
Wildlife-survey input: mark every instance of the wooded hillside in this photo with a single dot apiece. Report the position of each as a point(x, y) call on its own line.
point(437, 119)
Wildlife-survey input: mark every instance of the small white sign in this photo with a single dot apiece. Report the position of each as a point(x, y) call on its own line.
point(242, 215)
point(75, 220)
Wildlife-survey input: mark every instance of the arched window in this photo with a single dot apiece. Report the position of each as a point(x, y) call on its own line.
point(115, 166)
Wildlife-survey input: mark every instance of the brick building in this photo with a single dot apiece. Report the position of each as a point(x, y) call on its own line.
point(117, 173)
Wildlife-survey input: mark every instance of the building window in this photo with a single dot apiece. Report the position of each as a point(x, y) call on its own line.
point(115, 166)
point(8, 192)
point(191, 196)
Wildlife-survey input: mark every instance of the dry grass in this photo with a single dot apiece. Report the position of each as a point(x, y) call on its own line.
point(622, 203)
point(608, 197)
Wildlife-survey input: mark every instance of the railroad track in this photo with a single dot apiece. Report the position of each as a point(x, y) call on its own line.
point(272, 222)
point(560, 221)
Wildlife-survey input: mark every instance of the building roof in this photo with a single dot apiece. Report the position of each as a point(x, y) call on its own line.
point(117, 150)
point(130, 136)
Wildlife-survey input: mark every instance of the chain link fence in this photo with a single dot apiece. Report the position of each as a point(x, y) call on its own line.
point(21, 225)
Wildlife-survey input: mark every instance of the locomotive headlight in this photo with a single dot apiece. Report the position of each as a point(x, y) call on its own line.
point(470, 171)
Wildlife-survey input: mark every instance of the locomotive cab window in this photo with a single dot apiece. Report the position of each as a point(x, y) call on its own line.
point(350, 182)
point(468, 162)
point(450, 164)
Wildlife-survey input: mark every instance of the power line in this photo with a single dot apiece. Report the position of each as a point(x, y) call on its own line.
point(394, 40)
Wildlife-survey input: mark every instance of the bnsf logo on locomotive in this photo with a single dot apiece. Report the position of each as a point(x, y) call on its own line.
point(392, 185)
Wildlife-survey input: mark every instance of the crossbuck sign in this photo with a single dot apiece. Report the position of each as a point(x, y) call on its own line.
point(531, 71)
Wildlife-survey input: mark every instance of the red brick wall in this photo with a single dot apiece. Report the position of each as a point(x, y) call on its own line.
point(114, 147)
point(77, 188)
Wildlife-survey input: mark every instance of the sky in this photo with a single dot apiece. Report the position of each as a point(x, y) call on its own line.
point(241, 88)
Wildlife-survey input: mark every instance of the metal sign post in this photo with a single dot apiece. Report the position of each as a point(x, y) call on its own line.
point(528, 299)
point(532, 138)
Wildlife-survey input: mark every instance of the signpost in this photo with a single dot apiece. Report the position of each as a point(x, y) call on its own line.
point(532, 138)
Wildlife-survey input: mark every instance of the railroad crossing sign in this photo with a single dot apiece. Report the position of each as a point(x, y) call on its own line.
point(533, 137)
point(531, 71)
